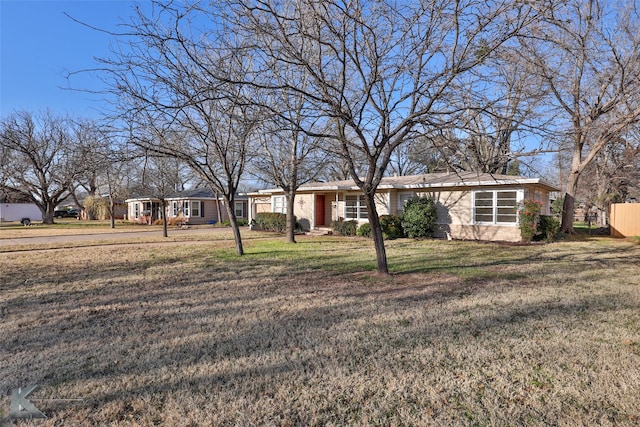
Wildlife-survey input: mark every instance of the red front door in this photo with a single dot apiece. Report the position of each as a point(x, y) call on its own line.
point(319, 210)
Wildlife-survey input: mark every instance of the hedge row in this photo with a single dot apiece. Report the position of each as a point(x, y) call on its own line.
point(271, 221)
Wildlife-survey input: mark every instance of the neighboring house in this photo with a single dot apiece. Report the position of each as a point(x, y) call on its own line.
point(196, 206)
point(469, 205)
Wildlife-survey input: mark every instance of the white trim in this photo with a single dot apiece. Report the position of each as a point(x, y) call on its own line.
point(494, 206)
point(279, 207)
point(360, 204)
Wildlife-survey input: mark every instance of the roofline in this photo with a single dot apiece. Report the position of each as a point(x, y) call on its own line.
point(486, 183)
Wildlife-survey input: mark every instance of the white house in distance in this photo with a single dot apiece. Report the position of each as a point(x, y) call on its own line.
point(471, 206)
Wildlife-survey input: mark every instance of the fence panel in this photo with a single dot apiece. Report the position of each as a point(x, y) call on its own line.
point(625, 219)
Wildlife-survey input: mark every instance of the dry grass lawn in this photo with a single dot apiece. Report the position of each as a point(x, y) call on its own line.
point(188, 334)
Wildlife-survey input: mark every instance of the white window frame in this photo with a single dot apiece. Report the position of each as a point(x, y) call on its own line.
point(196, 208)
point(279, 204)
point(238, 208)
point(360, 207)
point(174, 208)
point(495, 207)
point(136, 210)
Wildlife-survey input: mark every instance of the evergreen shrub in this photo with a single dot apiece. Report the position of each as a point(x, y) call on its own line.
point(419, 217)
point(344, 228)
point(391, 227)
point(271, 221)
point(364, 230)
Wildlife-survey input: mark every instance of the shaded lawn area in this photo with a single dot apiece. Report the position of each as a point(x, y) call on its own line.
point(462, 333)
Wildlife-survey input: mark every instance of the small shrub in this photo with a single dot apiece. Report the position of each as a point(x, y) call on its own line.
point(364, 230)
point(242, 222)
point(529, 216)
point(175, 220)
point(548, 227)
point(419, 218)
point(344, 228)
point(271, 221)
point(391, 227)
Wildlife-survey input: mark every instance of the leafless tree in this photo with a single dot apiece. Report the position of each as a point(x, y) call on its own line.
point(40, 162)
point(610, 178)
point(288, 158)
point(160, 178)
point(172, 77)
point(588, 54)
point(378, 71)
point(92, 157)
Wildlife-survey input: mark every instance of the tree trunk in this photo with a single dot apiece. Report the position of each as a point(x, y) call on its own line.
point(234, 226)
point(219, 210)
point(569, 203)
point(291, 219)
point(48, 211)
point(376, 233)
point(163, 212)
point(112, 212)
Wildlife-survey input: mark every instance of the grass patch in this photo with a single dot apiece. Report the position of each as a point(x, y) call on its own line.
point(188, 333)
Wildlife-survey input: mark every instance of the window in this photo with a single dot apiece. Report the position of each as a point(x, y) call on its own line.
point(239, 209)
point(185, 209)
point(195, 208)
point(279, 204)
point(136, 210)
point(403, 198)
point(355, 207)
point(495, 207)
point(174, 208)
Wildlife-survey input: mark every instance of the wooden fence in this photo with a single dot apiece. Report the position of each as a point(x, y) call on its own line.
point(625, 219)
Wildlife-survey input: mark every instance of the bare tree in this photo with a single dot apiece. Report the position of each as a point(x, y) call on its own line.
point(588, 54)
point(160, 178)
point(40, 162)
point(91, 153)
point(378, 71)
point(288, 156)
point(172, 79)
point(610, 178)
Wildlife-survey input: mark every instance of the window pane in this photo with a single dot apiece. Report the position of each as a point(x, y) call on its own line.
point(510, 219)
point(279, 204)
point(506, 198)
point(484, 218)
point(351, 207)
point(484, 195)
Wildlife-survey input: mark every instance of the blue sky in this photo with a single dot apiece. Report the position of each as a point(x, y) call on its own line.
point(39, 45)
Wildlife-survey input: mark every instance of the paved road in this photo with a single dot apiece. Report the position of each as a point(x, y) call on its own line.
point(108, 236)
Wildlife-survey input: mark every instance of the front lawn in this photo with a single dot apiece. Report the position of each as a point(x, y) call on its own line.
point(462, 333)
